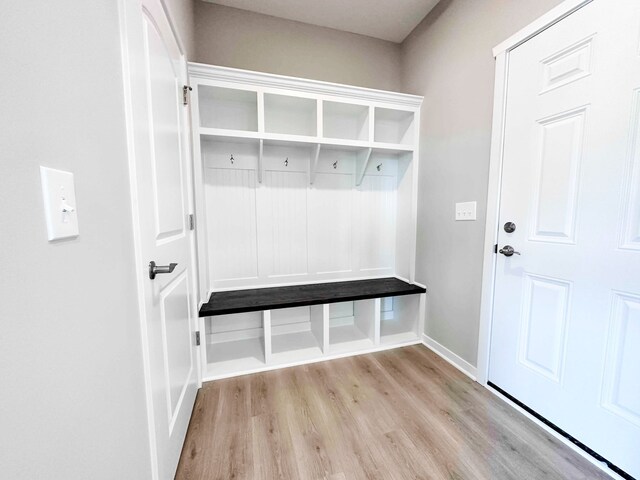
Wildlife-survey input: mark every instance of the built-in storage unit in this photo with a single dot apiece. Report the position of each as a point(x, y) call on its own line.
point(300, 182)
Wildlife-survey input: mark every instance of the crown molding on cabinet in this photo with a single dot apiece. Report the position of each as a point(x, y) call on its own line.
point(259, 79)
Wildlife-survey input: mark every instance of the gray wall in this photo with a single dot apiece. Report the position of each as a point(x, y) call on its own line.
point(448, 59)
point(241, 39)
point(72, 404)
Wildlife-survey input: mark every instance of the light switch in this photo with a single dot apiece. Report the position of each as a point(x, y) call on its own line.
point(465, 211)
point(59, 197)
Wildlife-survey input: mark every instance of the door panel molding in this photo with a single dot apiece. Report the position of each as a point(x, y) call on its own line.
point(543, 330)
point(630, 226)
point(566, 66)
point(620, 391)
point(558, 171)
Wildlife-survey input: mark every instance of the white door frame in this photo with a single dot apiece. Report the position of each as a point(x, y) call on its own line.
point(125, 9)
point(501, 54)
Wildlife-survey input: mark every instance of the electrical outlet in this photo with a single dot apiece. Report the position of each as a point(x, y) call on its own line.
point(465, 211)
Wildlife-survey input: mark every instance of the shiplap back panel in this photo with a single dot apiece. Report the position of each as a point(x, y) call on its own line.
point(288, 230)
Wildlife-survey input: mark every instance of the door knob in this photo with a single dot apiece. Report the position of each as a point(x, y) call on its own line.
point(157, 269)
point(508, 251)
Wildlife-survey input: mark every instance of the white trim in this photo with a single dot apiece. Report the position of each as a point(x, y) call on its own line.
point(415, 283)
point(124, 8)
point(553, 433)
point(323, 358)
point(297, 85)
point(553, 16)
point(174, 30)
point(447, 355)
point(502, 52)
point(491, 225)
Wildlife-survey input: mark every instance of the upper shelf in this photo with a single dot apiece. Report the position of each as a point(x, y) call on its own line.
point(240, 135)
point(232, 112)
point(240, 104)
point(227, 76)
point(257, 299)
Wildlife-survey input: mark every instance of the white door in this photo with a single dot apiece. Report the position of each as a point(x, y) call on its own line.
point(566, 328)
point(155, 73)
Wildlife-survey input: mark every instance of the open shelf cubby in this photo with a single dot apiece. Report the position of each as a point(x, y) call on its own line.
point(290, 115)
point(399, 319)
point(296, 334)
point(346, 121)
point(228, 108)
point(393, 126)
point(352, 326)
point(234, 342)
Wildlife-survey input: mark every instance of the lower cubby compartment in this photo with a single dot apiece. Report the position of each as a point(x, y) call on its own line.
point(399, 319)
point(297, 334)
point(351, 326)
point(234, 343)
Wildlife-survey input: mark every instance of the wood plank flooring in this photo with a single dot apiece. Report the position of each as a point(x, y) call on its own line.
point(398, 414)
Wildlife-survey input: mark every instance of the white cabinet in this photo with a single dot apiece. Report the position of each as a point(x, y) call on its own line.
point(301, 182)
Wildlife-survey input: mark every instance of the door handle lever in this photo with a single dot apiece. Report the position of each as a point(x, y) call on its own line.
point(508, 251)
point(157, 269)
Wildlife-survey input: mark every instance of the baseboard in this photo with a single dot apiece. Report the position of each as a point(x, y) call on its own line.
point(442, 351)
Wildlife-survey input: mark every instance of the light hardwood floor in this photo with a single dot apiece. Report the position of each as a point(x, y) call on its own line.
point(398, 414)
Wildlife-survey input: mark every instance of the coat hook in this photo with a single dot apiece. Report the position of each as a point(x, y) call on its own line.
point(231, 159)
point(335, 164)
point(379, 167)
point(286, 162)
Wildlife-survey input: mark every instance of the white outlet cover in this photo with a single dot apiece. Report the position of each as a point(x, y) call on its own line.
point(466, 211)
point(59, 197)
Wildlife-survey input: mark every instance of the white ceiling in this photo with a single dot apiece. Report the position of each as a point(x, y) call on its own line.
point(389, 20)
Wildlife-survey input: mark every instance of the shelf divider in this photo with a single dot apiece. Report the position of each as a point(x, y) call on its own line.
point(361, 164)
point(372, 122)
point(260, 169)
point(319, 118)
point(319, 325)
point(266, 326)
point(376, 321)
point(260, 108)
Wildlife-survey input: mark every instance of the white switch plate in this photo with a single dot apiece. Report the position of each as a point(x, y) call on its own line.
point(59, 197)
point(466, 211)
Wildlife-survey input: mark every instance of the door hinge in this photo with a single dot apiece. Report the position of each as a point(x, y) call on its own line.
point(495, 248)
point(192, 221)
point(198, 338)
point(185, 94)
